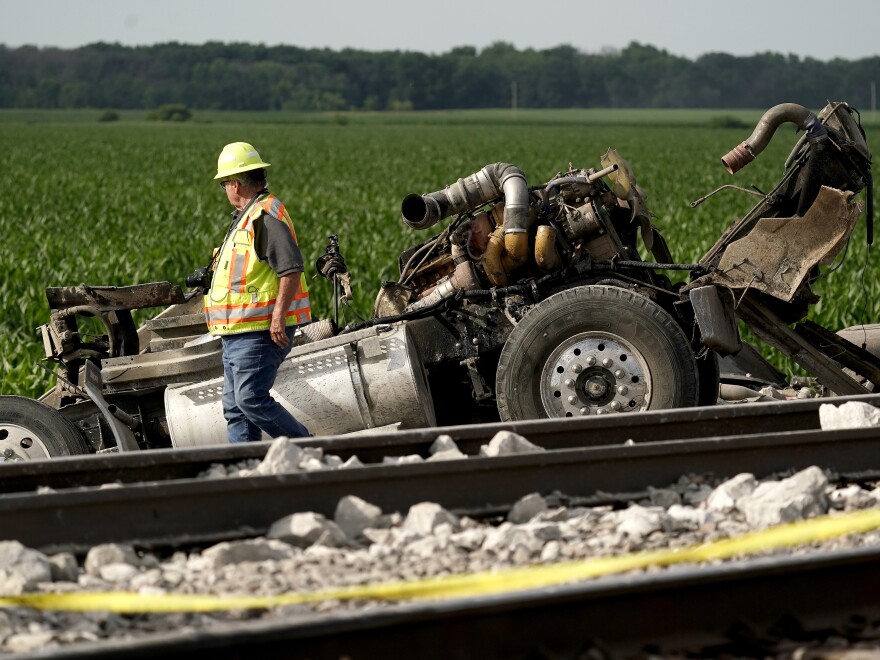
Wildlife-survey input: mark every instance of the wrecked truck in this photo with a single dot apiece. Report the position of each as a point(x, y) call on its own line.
point(532, 301)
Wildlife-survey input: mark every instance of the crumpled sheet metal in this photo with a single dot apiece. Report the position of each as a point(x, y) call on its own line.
point(778, 254)
point(623, 184)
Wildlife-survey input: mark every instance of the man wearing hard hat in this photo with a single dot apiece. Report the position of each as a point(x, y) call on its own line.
point(257, 296)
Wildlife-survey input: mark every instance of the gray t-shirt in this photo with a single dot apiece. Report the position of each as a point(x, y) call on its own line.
point(274, 242)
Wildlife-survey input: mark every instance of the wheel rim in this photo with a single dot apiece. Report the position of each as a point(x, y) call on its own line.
point(595, 373)
point(18, 443)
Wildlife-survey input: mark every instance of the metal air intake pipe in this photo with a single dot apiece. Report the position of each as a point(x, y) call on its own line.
point(745, 153)
point(423, 211)
point(491, 182)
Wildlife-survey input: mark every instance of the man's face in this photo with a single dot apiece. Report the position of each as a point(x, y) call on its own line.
point(232, 188)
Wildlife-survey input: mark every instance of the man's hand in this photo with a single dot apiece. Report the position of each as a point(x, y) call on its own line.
point(277, 331)
point(278, 327)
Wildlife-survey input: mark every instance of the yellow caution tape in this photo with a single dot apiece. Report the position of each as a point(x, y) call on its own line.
point(468, 585)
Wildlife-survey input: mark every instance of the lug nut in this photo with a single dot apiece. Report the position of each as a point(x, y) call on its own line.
point(577, 368)
point(615, 405)
point(607, 362)
point(623, 389)
point(572, 399)
point(584, 411)
point(619, 373)
point(591, 361)
point(601, 411)
point(569, 383)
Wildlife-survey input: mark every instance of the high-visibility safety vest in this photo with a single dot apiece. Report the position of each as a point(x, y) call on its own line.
point(244, 289)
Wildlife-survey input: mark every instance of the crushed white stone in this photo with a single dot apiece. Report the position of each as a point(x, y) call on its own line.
point(363, 544)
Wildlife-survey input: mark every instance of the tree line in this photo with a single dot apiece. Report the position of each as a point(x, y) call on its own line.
point(256, 77)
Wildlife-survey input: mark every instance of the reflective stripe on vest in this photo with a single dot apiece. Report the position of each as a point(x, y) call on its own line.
point(244, 289)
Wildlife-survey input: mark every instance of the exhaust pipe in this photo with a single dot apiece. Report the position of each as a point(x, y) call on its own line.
point(746, 152)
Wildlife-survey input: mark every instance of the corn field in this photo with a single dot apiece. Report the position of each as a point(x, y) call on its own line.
point(134, 201)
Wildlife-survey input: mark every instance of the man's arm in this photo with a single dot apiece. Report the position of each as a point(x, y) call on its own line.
point(287, 285)
point(275, 244)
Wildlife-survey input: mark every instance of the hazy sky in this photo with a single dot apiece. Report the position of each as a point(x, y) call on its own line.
point(811, 28)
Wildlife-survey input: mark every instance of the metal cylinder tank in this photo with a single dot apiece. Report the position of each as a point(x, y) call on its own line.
point(365, 379)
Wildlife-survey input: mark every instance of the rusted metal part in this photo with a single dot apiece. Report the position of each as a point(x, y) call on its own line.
point(63, 342)
point(800, 225)
point(125, 439)
point(174, 322)
point(105, 298)
point(840, 160)
point(625, 187)
point(853, 357)
point(172, 332)
point(199, 362)
point(773, 330)
point(745, 153)
point(714, 313)
point(112, 305)
point(778, 253)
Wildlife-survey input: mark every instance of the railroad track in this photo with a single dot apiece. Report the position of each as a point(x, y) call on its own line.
point(159, 504)
point(586, 460)
point(738, 609)
point(689, 423)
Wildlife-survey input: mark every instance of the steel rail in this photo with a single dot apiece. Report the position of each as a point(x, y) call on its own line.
point(165, 464)
point(200, 511)
point(736, 609)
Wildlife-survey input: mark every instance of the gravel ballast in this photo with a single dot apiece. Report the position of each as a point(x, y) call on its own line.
point(362, 544)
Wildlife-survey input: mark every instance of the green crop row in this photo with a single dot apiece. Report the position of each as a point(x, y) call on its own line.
point(130, 201)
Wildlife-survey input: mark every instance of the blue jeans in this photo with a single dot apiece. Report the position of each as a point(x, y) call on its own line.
point(250, 363)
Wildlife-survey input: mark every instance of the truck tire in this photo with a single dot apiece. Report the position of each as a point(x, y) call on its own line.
point(31, 430)
point(594, 350)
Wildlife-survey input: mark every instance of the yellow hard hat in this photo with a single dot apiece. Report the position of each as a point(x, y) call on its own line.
point(238, 157)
